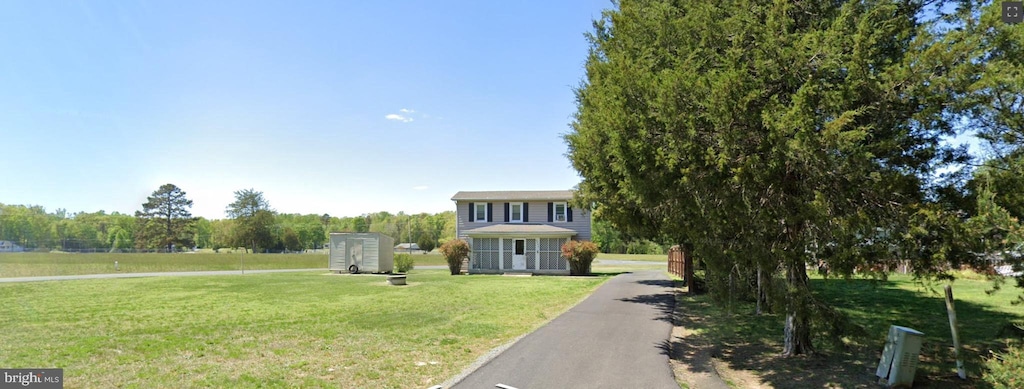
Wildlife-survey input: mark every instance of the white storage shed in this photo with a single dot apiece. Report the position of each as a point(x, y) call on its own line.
point(362, 252)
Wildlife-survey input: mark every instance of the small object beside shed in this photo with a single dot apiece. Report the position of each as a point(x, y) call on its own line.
point(899, 357)
point(398, 279)
point(361, 252)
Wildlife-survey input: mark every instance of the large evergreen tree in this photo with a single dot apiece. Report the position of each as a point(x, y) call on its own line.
point(763, 133)
point(165, 219)
point(253, 219)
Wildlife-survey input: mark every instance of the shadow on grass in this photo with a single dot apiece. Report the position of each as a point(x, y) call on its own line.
point(744, 341)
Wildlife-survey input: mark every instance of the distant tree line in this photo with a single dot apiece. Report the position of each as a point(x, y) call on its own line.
point(164, 223)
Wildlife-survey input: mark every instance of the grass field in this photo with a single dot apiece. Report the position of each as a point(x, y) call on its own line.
point(60, 264)
point(52, 264)
point(273, 330)
point(749, 345)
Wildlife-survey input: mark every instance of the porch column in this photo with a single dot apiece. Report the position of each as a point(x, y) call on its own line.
point(536, 255)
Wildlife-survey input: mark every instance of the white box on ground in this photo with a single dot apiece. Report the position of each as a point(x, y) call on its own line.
point(899, 357)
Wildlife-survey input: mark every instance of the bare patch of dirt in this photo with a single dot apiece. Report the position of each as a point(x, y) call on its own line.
point(700, 360)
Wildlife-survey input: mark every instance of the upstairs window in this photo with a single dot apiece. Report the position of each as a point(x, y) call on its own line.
point(560, 212)
point(481, 212)
point(515, 212)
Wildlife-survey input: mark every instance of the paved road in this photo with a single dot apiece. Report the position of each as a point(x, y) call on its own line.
point(616, 262)
point(155, 274)
point(616, 338)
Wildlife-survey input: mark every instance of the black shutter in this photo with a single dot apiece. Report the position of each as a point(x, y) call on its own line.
point(506, 212)
point(551, 212)
point(568, 211)
point(490, 211)
point(526, 212)
point(472, 212)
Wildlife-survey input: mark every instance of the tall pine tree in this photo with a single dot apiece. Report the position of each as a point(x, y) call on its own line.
point(762, 134)
point(165, 219)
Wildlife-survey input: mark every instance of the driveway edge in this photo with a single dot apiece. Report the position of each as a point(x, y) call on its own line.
point(483, 360)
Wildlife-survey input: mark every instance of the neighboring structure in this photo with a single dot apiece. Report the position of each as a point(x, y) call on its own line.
point(407, 247)
point(361, 252)
point(519, 231)
point(7, 246)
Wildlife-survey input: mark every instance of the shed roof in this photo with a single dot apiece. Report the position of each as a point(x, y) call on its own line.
point(521, 229)
point(562, 195)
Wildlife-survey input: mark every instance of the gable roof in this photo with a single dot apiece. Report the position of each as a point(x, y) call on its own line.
point(521, 228)
point(561, 195)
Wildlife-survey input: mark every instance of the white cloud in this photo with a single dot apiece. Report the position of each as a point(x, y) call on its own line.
point(395, 116)
point(406, 110)
point(421, 187)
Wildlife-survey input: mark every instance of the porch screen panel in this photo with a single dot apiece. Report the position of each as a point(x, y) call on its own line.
point(550, 252)
point(555, 260)
point(507, 255)
point(477, 255)
point(560, 263)
point(531, 254)
point(485, 251)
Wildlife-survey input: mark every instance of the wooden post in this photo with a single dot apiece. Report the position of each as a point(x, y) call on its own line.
point(952, 327)
point(759, 293)
point(688, 269)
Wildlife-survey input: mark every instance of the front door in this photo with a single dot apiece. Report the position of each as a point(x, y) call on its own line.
point(519, 255)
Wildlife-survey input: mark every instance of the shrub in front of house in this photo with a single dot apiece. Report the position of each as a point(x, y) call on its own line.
point(454, 251)
point(403, 263)
point(580, 255)
point(1004, 369)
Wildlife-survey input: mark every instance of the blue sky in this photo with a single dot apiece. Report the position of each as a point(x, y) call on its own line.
point(326, 107)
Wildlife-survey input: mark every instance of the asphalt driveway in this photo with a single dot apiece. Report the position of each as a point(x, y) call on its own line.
point(616, 338)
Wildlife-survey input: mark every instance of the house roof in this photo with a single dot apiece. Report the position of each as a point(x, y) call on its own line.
point(513, 195)
point(521, 229)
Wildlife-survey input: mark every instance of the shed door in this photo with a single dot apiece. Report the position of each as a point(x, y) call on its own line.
point(519, 255)
point(355, 254)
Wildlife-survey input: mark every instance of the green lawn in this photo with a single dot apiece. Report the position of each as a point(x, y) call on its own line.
point(432, 259)
point(48, 264)
point(752, 343)
point(273, 330)
point(53, 264)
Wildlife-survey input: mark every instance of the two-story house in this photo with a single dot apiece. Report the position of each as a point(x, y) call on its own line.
point(519, 231)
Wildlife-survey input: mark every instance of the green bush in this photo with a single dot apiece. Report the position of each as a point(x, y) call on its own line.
point(454, 252)
point(644, 247)
point(1006, 370)
point(580, 255)
point(403, 263)
point(426, 243)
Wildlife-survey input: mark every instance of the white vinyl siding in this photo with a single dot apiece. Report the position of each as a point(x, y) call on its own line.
point(535, 213)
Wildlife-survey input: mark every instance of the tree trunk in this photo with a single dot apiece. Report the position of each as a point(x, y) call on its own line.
point(760, 291)
point(798, 324)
